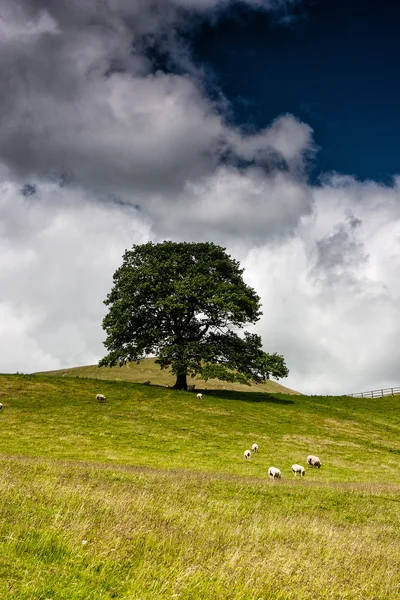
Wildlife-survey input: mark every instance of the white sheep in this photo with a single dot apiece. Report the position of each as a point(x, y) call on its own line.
point(313, 461)
point(298, 469)
point(199, 396)
point(255, 447)
point(274, 473)
point(1, 406)
point(101, 398)
point(247, 454)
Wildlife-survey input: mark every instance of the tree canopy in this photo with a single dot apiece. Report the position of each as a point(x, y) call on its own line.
point(186, 303)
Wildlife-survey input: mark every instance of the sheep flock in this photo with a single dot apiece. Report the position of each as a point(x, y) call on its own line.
point(275, 473)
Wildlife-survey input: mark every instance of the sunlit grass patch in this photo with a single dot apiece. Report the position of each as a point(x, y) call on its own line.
point(148, 495)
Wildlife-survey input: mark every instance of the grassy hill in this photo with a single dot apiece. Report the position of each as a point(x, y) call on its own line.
point(148, 370)
point(148, 496)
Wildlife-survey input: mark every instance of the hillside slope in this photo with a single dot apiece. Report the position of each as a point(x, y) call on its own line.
point(159, 427)
point(148, 495)
point(149, 370)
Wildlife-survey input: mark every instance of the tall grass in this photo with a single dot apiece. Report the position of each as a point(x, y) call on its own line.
point(148, 495)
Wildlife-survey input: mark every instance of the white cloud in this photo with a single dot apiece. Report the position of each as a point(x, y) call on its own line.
point(19, 347)
point(287, 142)
point(331, 294)
point(60, 248)
point(234, 204)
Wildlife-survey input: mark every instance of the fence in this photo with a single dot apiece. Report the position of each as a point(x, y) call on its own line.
point(377, 393)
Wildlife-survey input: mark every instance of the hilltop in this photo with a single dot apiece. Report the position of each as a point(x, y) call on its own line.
point(147, 369)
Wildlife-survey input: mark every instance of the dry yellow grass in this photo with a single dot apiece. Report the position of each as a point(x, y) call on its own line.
point(75, 531)
point(149, 370)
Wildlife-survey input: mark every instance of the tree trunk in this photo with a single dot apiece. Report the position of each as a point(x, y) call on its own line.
point(180, 383)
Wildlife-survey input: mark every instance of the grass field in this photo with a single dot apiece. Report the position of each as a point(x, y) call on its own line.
point(148, 495)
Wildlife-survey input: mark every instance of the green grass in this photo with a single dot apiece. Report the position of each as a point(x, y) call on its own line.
point(148, 496)
point(148, 370)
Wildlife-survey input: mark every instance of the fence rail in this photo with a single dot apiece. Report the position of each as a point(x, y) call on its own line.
point(377, 393)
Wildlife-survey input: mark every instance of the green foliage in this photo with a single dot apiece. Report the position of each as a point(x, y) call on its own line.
point(185, 303)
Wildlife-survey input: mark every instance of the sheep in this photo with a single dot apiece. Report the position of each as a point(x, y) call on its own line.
point(101, 398)
point(190, 388)
point(313, 461)
point(1, 406)
point(147, 382)
point(199, 396)
point(298, 469)
point(247, 454)
point(255, 447)
point(274, 473)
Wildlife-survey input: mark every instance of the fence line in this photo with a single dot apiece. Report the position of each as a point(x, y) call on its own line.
point(377, 393)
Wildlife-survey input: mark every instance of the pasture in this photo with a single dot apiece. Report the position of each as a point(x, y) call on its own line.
point(148, 495)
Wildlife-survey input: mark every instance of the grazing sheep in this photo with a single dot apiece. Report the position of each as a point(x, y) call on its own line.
point(247, 454)
point(190, 388)
point(298, 469)
point(313, 461)
point(274, 473)
point(101, 398)
point(1, 406)
point(166, 385)
point(199, 396)
point(147, 382)
point(255, 447)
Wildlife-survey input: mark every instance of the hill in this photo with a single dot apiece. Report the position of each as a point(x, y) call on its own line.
point(149, 496)
point(149, 370)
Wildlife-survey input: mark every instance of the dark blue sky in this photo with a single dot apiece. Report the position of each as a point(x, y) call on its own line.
point(335, 66)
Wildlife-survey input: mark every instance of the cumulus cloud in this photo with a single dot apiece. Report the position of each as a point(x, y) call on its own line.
point(331, 293)
point(234, 204)
point(83, 98)
point(59, 249)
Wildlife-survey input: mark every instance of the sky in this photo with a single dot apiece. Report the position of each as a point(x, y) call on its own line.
point(267, 126)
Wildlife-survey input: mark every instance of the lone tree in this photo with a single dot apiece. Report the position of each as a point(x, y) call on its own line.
point(185, 303)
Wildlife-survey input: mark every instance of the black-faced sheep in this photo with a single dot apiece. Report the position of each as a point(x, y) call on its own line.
point(255, 447)
point(274, 473)
point(101, 398)
point(247, 454)
point(313, 461)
